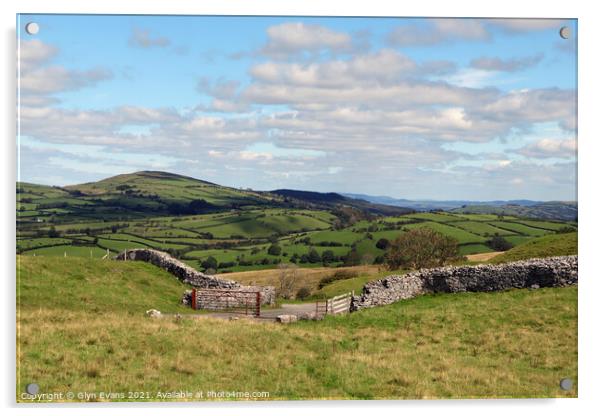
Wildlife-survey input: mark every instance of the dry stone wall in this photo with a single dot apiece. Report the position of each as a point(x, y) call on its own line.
point(533, 273)
point(187, 274)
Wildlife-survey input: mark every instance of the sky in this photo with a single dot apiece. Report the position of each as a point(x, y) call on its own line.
point(472, 109)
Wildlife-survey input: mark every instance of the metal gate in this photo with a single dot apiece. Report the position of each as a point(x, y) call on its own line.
point(225, 300)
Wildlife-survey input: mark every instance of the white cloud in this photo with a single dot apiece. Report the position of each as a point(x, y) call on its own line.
point(34, 52)
point(142, 38)
point(295, 37)
point(367, 114)
point(506, 65)
point(53, 79)
point(527, 25)
point(550, 148)
point(438, 31)
point(39, 79)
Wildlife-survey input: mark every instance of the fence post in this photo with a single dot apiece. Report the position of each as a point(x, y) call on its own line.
point(258, 305)
point(193, 299)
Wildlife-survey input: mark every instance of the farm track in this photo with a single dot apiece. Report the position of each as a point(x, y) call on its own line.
point(483, 256)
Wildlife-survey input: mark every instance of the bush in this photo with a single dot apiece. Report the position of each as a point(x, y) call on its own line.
point(303, 293)
point(53, 233)
point(352, 258)
point(499, 243)
point(274, 250)
point(327, 256)
point(382, 244)
point(338, 275)
point(421, 247)
point(314, 256)
point(209, 263)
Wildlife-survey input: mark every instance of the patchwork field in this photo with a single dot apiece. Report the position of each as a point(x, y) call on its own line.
point(234, 230)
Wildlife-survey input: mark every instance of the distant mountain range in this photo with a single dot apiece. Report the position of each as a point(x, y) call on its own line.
point(332, 200)
point(556, 210)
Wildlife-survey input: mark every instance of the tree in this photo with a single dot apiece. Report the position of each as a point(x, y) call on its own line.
point(274, 250)
point(53, 233)
point(314, 256)
point(327, 256)
point(209, 263)
point(383, 244)
point(499, 243)
point(287, 278)
point(352, 258)
point(199, 206)
point(303, 293)
point(421, 247)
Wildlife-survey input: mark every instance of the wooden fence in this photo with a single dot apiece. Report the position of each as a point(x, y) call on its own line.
point(335, 305)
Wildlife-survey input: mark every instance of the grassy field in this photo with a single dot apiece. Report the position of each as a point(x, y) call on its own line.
point(548, 246)
point(137, 211)
point(308, 277)
point(81, 328)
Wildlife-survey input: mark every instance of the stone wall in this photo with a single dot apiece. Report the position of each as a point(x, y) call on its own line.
point(187, 274)
point(533, 273)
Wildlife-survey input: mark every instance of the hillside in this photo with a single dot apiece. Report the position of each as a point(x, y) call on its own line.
point(553, 210)
point(96, 286)
point(332, 200)
point(95, 337)
point(230, 230)
point(547, 246)
point(429, 204)
point(149, 193)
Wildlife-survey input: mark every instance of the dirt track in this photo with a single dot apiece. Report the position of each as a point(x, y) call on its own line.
point(483, 256)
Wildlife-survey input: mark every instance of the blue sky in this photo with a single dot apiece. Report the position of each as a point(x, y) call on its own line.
point(409, 108)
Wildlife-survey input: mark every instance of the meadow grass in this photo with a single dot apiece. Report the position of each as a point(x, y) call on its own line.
point(339, 287)
point(547, 246)
point(518, 343)
point(481, 228)
point(459, 234)
point(473, 249)
point(71, 251)
point(520, 228)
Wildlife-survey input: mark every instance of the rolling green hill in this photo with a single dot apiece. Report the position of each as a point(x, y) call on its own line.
point(547, 246)
point(93, 285)
point(553, 210)
point(195, 220)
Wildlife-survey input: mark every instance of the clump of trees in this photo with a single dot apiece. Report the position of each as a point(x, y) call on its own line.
point(210, 263)
point(197, 206)
point(421, 247)
point(499, 243)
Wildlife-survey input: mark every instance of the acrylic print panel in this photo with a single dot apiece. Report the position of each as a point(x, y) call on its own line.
point(278, 208)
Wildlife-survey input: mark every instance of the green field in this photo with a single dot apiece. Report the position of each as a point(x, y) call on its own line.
point(71, 336)
point(519, 228)
point(148, 209)
point(67, 251)
point(548, 246)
